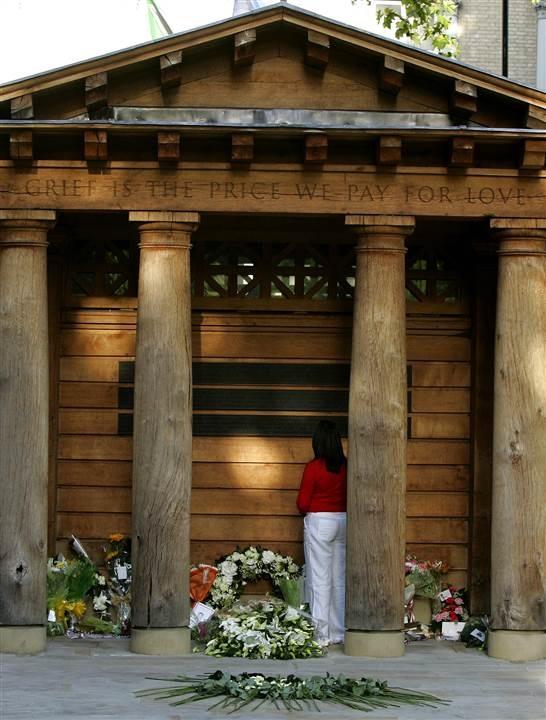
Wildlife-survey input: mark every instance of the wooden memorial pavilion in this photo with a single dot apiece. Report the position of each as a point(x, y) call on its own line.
point(310, 221)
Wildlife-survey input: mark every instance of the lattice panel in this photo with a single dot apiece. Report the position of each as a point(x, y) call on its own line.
point(434, 278)
point(106, 267)
point(102, 267)
point(291, 270)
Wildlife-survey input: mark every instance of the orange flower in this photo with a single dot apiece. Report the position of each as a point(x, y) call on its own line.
point(116, 537)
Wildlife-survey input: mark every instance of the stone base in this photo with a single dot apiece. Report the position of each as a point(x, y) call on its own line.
point(161, 641)
point(517, 645)
point(22, 639)
point(374, 644)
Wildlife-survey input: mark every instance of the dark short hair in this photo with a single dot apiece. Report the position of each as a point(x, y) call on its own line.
point(327, 445)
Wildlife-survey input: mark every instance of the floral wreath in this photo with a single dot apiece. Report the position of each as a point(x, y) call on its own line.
point(243, 566)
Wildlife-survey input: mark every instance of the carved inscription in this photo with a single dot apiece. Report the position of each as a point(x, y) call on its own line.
point(482, 196)
point(56, 188)
point(263, 190)
point(424, 194)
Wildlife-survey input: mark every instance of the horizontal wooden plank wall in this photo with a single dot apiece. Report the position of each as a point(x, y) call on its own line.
point(244, 488)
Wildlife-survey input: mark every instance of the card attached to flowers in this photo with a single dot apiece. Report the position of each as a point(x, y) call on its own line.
point(121, 572)
point(478, 634)
point(200, 613)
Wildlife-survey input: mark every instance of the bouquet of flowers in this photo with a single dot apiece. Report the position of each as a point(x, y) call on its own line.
point(475, 632)
point(202, 579)
point(452, 609)
point(81, 599)
point(116, 597)
point(292, 693)
point(292, 590)
point(69, 584)
point(262, 629)
point(425, 576)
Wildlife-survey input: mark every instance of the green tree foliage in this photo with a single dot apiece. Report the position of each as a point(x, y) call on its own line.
point(427, 23)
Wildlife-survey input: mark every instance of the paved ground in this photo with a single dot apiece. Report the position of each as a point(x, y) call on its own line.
point(88, 680)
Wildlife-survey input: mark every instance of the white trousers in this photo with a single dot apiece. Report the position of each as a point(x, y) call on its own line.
point(324, 547)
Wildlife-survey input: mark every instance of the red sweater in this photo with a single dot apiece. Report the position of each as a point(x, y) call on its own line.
point(322, 490)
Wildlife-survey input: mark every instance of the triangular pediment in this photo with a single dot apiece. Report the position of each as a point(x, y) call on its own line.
point(279, 57)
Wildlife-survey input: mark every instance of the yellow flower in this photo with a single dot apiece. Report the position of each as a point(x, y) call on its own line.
point(78, 609)
point(116, 537)
point(111, 555)
point(60, 610)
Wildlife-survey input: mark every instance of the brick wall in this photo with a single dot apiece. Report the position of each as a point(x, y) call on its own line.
point(480, 23)
point(522, 42)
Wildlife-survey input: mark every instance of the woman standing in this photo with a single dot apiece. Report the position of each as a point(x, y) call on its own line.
point(323, 500)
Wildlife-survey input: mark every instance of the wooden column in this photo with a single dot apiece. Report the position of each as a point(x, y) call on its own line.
point(24, 391)
point(483, 343)
point(518, 572)
point(162, 452)
point(377, 440)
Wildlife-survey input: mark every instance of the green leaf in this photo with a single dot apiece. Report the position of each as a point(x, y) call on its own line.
point(423, 22)
point(80, 578)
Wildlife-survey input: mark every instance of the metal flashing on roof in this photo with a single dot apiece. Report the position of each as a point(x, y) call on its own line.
point(433, 130)
point(278, 117)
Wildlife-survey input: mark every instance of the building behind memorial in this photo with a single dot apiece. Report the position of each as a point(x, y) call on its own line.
point(503, 36)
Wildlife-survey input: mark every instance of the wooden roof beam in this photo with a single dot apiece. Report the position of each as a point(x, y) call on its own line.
point(464, 100)
point(21, 145)
point(461, 152)
point(22, 107)
point(170, 69)
point(96, 93)
point(316, 148)
point(536, 118)
point(168, 147)
point(534, 155)
point(317, 49)
point(391, 74)
point(389, 150)
point(242, 148)
point(95, 145)
point(244, 48)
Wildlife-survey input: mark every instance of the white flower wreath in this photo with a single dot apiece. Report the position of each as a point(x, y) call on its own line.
point(249, 565)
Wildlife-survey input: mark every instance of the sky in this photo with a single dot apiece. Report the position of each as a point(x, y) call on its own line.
point(38, 35)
